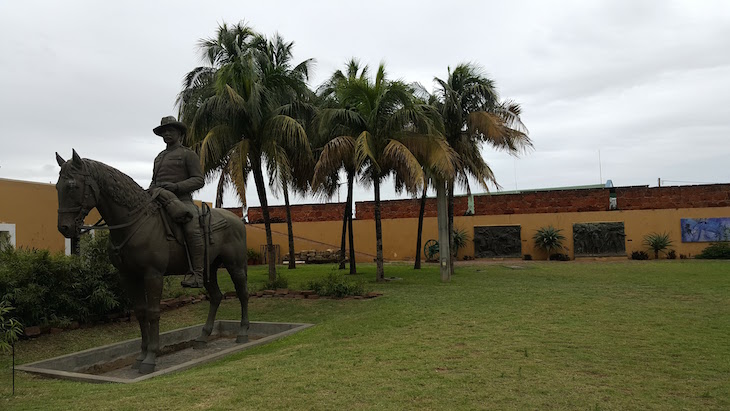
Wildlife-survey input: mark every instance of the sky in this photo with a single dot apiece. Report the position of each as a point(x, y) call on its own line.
point(632, 91)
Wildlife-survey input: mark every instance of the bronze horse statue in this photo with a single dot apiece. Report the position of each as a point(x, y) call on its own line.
point(141, 248)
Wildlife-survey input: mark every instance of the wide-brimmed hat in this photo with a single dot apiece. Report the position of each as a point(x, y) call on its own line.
point(169, 121)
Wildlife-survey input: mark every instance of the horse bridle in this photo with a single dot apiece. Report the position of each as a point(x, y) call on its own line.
point(84, 208)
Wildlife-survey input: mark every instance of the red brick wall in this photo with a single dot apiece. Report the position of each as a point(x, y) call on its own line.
point(302, 212)
point(644, 198)
point(561, 201)
point(555, 201)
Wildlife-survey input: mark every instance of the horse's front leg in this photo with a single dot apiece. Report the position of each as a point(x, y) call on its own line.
point(153, 292)
point(136, 293)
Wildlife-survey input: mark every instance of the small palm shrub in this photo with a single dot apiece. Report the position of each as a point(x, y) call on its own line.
point(549, 239)
point(716, 251)
point(10, 328)
point(657, 242)
point(460, 240)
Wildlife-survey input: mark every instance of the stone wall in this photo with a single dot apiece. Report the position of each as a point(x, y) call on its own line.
point(317, 257)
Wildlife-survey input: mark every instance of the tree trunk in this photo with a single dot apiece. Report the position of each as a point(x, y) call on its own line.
point(417, 264)
point(258, 177)
point(380, 272)
point(219, 190)
point(344, 235)
point(450, 192)
point(292, 261)
point(443, 226)
point(350, 186)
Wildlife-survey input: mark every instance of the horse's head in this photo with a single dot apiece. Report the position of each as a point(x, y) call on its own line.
point(77, 195)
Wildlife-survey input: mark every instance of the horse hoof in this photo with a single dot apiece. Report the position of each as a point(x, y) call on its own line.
point(145, 368)
point(199, 344)
point(241, 339)
point(136, 364)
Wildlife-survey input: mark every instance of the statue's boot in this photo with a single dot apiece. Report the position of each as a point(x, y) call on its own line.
point(197, 258)
point(194, 280)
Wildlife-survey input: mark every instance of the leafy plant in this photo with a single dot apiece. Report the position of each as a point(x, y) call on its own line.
point(639, 255)
point(549, 239)
point(336, 285)
point(672, 255)
point(253, 255)
point(720, 250)
point(460, 239)
point(657, 242)
point(10, 328)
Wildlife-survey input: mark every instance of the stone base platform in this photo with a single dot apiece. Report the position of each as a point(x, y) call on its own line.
point(112, 363)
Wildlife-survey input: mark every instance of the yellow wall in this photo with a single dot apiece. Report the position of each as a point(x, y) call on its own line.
point(399, 235)
point(32, 208)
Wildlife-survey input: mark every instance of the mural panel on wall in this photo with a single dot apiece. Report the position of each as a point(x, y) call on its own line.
point(593, 239)
point(497, 241)
point(696, 230)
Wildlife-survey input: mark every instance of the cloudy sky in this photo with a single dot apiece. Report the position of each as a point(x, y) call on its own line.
point(644, 86)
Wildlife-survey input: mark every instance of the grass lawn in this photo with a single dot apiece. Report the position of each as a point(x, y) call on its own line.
point(512, 335)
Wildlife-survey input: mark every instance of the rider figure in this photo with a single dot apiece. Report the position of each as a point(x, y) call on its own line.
point(177, 169)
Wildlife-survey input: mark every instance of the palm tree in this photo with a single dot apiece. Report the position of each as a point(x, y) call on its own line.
point(338, 152)
point(473, 115)
point(386, 125)
point(235, 108)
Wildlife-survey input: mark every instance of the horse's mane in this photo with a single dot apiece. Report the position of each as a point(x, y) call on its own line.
point(119, 186)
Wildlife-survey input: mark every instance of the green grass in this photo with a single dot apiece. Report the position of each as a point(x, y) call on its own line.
point(552, 335)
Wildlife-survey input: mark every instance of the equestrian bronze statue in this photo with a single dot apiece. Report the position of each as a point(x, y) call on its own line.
point(146, 244)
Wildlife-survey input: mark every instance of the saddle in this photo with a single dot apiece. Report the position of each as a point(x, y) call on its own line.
point(175, 214)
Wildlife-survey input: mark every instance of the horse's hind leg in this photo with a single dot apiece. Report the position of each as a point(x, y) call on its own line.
point(215, 295)
point(239, 276)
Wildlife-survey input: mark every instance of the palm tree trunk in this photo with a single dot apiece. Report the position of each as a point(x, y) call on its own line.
point(344, 235)
point(450, 188)
point(350, 184)
point(258, 177)
point(380, 272)
point(417, 264)
point(219, 190)
point(292, 262)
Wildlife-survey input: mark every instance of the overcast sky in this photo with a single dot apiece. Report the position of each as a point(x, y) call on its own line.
point(645, 83)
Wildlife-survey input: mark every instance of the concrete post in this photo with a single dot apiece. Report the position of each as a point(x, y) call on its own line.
point(443, 226)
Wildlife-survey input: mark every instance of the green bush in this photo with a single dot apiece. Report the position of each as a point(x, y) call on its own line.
point(5, 240)
point(715, 251)
point(54, 289)
point(279, 282)
point(336, 285)
point(639, 255)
